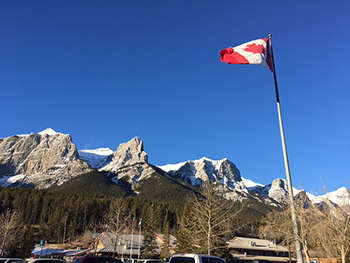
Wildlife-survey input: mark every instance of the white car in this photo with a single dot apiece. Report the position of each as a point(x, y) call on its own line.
point(195, 258)
point(149, 261)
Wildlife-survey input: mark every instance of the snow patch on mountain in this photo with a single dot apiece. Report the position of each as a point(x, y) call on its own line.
point(47, 131)
point(95, 157)
point(9, 180)
point(171, 167)
point(340, 197)
point(250, 185)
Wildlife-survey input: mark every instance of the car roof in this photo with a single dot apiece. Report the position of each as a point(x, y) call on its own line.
point(12, 259)
point(193, 255)
point(46, 259)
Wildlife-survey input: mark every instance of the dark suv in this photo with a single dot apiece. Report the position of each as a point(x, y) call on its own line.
point(96, 259)
point(11, 260)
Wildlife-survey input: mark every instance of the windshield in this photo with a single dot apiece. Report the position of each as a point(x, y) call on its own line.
point(78, 260)
point(181, 260)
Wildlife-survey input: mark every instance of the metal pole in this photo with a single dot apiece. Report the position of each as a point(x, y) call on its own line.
point(138, 253)
point(296, 230)
point(132, 234)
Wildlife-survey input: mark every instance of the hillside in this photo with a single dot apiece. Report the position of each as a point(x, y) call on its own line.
point(93, 183)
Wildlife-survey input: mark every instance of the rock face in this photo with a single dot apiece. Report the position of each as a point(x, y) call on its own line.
point(128, 164)
point(39, 159)
point(224, 174)
point(127, 153)
point(278, 190)
point(196, 172)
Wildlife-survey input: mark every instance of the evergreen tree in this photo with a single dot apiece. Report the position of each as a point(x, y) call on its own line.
point(184, 235)
point(26, 244)
point(149, 248)
point(165, 249)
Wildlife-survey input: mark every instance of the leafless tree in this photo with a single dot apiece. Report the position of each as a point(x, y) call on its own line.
point(334, 228)
point(116, 219)
point(10, 230)
point(206, 222)
point(324, 226)
point(278, 225)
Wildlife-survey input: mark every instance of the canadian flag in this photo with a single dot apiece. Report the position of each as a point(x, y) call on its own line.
point(253, 52)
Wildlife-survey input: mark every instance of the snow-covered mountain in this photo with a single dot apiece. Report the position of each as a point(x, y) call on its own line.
point(225, 172)
point(197, 171)
point(340, 196)
point(50, 158)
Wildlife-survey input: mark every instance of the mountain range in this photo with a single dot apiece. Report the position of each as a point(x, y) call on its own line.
point(50, 159)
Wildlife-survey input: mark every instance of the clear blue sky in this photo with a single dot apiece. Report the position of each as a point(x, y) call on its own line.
point(107, 71)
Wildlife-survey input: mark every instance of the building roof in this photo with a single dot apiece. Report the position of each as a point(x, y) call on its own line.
point(262, 258)
point(124, 243)
point(255, 244)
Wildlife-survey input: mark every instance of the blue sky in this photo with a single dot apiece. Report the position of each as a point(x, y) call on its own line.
point(107, 71)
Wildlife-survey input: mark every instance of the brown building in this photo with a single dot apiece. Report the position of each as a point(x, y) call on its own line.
point(124, 245)
point(253, 250)
point(324, 260)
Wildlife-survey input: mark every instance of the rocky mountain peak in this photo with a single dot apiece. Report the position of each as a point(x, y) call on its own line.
point(47, 131)
point(278, 190)
point(128, 153)
point(128, 165)
point(204, 169)
point(40, 158)
point(131, 152)
point(279, 183)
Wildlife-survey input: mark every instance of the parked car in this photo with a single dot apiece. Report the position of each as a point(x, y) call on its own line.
point(195, 258)
point(131, 260)
point(47, 260)
point(96, 259)
point(11, 260)
point(149, 261)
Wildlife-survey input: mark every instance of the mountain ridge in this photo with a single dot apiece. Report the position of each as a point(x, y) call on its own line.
point(48, 158)
point(276, 191)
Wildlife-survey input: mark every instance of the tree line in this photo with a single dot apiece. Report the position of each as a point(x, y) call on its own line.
point(61, 217)
point(201, 224)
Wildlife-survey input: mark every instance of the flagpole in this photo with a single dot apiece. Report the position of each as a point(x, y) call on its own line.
point(296, 230)
point(138, 254)
point(123, 243)
point(132, 234)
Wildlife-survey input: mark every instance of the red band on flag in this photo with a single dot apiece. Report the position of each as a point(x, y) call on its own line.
point(230, 57)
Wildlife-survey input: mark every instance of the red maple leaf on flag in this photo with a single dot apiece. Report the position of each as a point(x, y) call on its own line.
point(254, 48)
